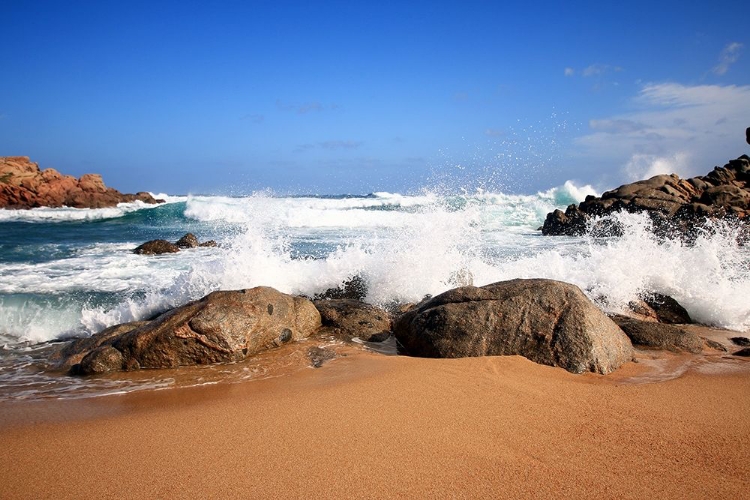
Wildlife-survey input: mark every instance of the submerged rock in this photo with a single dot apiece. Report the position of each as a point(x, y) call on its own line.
point(158, 247)
point(187, 241)
point(347, 318)
point(221, 327)
point(549, 322)
point(741, 341)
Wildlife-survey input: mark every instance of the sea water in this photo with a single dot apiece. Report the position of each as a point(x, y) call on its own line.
point(72, 272)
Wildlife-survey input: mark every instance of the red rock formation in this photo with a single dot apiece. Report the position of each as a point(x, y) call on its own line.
point(23, 185)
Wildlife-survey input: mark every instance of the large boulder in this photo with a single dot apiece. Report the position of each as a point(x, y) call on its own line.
point(549, 322)
point(24, 185)
point(347, 318)
point(221, 327)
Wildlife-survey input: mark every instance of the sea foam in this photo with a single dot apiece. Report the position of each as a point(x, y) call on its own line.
point(404, 247)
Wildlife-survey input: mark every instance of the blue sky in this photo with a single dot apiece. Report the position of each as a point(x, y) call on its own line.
point(356, 97)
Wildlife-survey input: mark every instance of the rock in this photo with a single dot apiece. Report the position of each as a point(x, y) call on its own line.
point(23, 185)
point(740, 341)
point(221, 327)
point(103, 359)
point(667, 309)
point(747, 135)
point(156, 247)
point(640, 310)
point(712, 344)
point(676, 206)
point(659, 336)
point(72, 353)
point(319, 355)
point(353, 288)
point(347, 318)
point(188, 241)
point(549, 322)
point(743, 352)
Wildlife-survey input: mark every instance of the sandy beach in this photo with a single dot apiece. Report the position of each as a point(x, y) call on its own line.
point(374, 426)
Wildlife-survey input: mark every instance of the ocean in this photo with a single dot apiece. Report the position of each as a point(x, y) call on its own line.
point(71, 272)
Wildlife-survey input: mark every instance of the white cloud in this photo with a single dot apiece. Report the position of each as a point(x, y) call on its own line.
point(644, 166)
point(684, 129)
point(570, 72)
point(728, 56)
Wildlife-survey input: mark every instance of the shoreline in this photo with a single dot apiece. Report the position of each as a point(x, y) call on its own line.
point(367, 425)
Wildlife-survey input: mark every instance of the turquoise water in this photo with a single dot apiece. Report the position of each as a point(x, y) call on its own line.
point(69, 272)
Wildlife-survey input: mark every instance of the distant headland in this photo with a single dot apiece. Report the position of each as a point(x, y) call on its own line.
point(24, 185)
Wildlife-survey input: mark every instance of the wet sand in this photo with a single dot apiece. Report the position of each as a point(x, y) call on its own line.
point(374, 426)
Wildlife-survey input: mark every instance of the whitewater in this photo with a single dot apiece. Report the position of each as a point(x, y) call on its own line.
point(71, 272)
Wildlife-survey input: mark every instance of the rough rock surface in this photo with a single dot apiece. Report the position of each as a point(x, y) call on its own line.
point(158, 247)
point(659, 336)
point(549, 322)
point(23, 185)
point(674, 204)
point(221, 327)
point(347, 318)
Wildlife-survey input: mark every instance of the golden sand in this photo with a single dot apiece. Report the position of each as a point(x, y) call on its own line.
point(374, 426)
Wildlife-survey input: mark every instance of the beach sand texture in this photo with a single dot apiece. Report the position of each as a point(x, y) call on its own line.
point(374, 426)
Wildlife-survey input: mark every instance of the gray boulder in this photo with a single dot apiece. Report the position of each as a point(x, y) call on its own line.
point(549, 322)
point(221, 327)
point(659, 336)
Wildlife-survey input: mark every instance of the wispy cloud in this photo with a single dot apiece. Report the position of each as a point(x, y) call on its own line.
point(728, 56)
point(677, 128)
point(304, 108)
point(570, 72)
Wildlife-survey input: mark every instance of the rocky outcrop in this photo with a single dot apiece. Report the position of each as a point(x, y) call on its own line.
point(221, 327)
point(674, 204)
point(158, 247)
point(549, 322)
point(23, 185)
point(346, 319)
point(659, 335)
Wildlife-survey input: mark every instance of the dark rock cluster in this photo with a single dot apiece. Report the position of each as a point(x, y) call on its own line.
point(676, 206)
point(158, 247)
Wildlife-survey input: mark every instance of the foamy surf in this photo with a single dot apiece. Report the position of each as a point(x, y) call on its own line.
point(404, 247)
